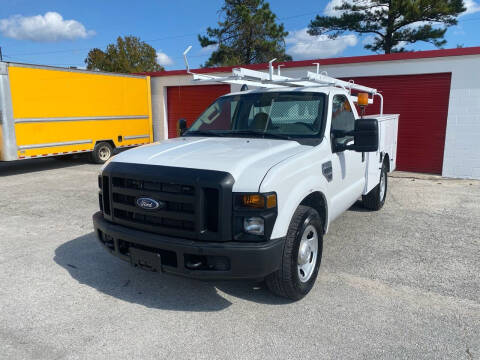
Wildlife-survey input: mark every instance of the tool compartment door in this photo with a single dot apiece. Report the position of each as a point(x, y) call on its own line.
point(387, 144)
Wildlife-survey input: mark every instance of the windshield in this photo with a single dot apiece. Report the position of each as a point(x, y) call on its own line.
point(266, 114)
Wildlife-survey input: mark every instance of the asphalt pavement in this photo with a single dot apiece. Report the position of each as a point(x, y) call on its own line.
point(399, 283)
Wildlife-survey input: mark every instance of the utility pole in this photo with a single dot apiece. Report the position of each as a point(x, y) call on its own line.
point(1, 57)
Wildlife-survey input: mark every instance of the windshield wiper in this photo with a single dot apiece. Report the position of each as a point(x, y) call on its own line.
point(277, 136)
point(202, 132)
point(259, 133)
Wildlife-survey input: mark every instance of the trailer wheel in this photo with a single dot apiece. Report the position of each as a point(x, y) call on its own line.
point(375, 199)
point(102, 152)
point(302, 254)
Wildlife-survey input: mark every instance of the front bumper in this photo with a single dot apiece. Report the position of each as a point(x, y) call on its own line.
point(223, 260)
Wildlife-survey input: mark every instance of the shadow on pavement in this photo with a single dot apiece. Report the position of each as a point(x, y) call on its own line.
point(358, 207)
point(50, 163)
point(88, 263)
point(33, 165)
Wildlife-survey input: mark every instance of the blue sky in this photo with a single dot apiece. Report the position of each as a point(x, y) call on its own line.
point(60, 33)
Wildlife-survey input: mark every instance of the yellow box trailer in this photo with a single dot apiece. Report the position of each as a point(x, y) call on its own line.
point(50, 111)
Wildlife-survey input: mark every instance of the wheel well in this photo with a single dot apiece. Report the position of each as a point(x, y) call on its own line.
point(387, 160)
point(317, 201)
point(107, 141)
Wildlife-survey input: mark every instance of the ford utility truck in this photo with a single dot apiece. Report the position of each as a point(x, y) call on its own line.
point(250, 188)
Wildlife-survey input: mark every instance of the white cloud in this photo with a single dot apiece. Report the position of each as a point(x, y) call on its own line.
point(370, 39)
point(332, 4)
point(163, 59)
point(330, 8)
point(367, 40)
point(302, 46)
point(472, 7)
point(43, 28)
point(209, 49)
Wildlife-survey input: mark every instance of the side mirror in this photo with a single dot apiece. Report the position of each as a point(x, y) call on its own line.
point(365, 136)
point(181, 126)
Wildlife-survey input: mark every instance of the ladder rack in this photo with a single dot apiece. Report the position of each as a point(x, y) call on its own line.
point(242, 76)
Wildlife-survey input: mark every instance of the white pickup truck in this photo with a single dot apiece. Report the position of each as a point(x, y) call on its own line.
point(249, 190)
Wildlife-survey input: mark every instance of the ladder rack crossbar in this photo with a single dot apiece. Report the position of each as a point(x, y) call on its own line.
point(243, 76)
point(262, 79)
point(201, 78)
point(345, 84)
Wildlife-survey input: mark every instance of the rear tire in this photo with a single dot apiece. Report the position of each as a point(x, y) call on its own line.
point(302, 254)
point(102, 152)
point(375, 199)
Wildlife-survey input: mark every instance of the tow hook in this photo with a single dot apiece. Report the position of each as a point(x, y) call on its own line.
point(212, 263)
point(194, 265)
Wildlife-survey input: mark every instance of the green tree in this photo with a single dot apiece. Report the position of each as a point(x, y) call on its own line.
point(392, 22)
point(128, 55)
point(248, 34)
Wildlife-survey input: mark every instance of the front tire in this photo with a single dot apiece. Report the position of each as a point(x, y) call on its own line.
point(102, 152)
point(302, 254)
point(375, 199)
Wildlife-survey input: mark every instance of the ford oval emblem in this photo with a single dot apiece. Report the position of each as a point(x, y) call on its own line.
point(148, 204)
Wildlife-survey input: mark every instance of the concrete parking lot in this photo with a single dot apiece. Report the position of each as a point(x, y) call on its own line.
point(400, 283)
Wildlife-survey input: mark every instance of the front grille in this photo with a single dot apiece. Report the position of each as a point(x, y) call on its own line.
point(106, 192)
point(193, 204)
point(176, 216)
point(164, 220)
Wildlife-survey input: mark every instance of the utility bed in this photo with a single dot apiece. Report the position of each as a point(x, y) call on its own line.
point(387, 144)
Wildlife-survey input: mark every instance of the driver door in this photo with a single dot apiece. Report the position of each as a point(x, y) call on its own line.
point(348, 166)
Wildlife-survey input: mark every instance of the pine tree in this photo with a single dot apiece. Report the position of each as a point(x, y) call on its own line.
point(248, 34)
point(393, 23)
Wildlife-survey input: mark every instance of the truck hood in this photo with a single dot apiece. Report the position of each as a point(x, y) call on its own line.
point(246, 159)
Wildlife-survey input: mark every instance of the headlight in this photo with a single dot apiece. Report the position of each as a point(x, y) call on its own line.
point(254, 225)
point(254, 216)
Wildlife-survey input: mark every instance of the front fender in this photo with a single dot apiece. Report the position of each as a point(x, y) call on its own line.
point(293, 181)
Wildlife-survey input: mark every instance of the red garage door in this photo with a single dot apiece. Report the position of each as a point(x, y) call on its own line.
point(422, 102)
point(189, 102)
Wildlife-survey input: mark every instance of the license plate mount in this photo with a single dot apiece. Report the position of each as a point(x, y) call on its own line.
point(146, 260)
